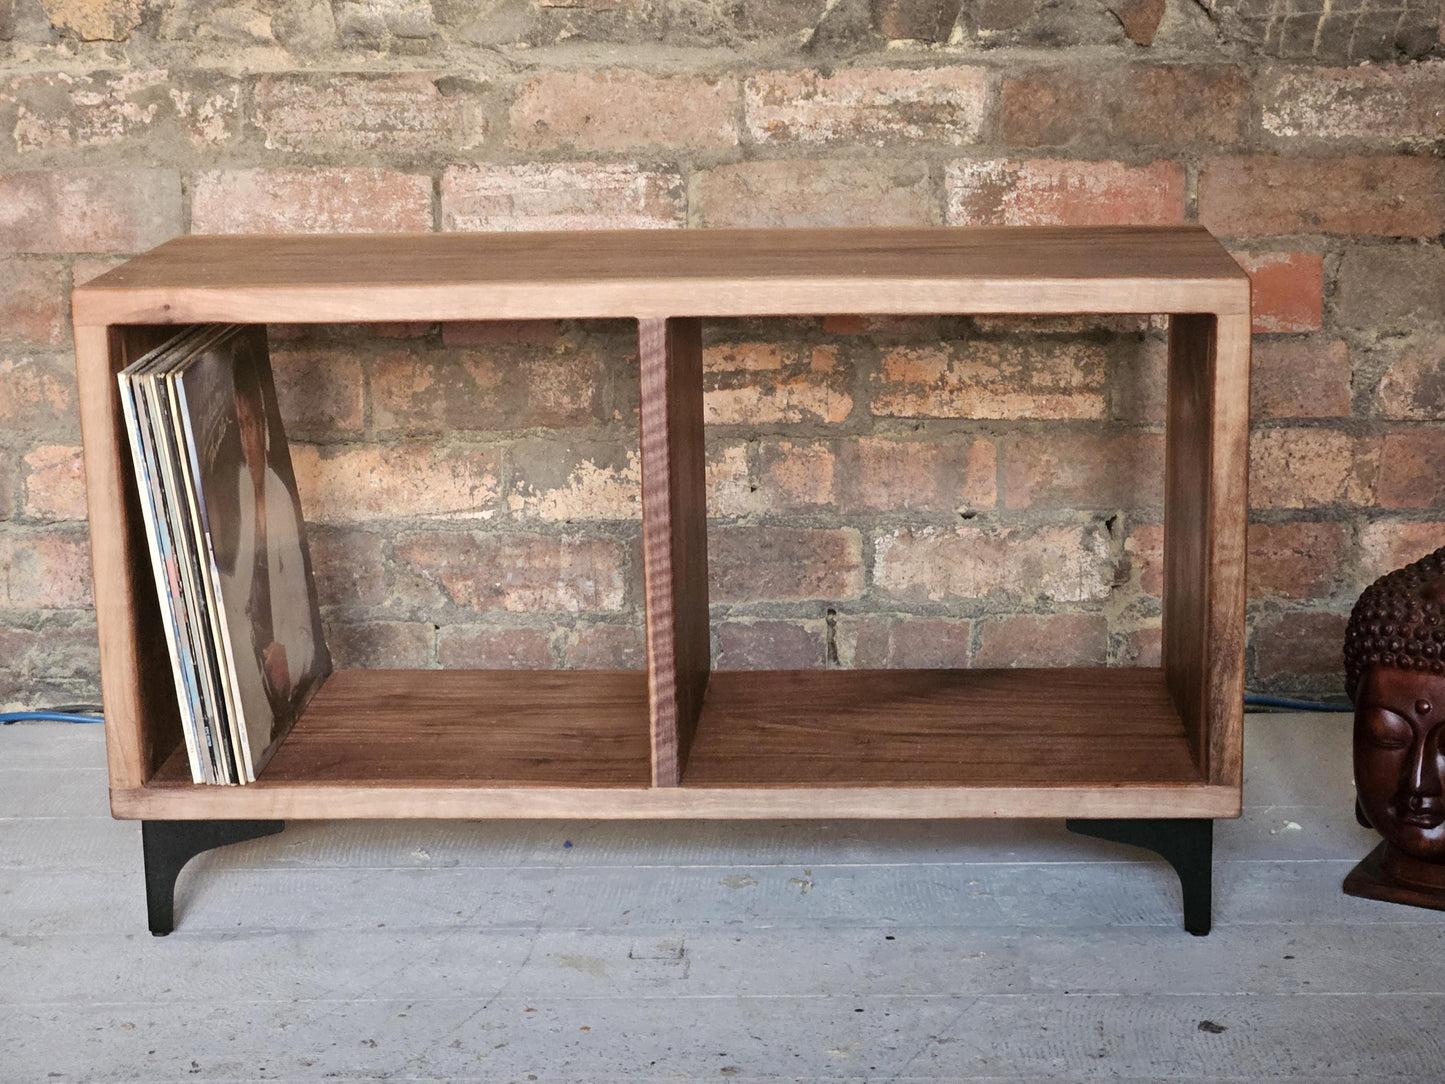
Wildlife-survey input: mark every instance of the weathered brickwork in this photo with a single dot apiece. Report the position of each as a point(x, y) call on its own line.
point(883, 492)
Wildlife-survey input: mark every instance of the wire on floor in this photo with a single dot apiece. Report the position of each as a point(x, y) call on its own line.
point(1285, 703)
point(66, 713)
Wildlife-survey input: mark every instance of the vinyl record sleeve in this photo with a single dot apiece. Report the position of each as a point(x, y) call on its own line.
point(165, 563)
point(254, 538)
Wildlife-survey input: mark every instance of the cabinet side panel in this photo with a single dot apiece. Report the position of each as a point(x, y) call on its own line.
point(142, 720)
point(1206, 511)
point(674, 537)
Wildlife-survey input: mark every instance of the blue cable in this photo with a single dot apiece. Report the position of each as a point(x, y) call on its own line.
point(9, 717)
point(1292, 705)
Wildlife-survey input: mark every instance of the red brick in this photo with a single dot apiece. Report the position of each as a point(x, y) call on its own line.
point(983, 379)
point(45, 570)
point(347, 564)
point(55, 483)
point(486, 389)
point(796, 476)
point(763, 383)
point(347, 112)
point(469, 647)
point(1309, 468)
point(617, 110)
point(764, 564)
point(321, 200)
point(1389, 196)
point(606, 647)
point(1079, 323)
point(769, 645)
point(1410, 469)
point(731, 491)
point(63, 111)
point(1387, 544)
point(52, 652)
point(106, 20)
point(565, 484)
point(846, 324)
point(917, 20)
point(1139, 386)
point(886, 328)
point(863, 106)
point(515, 572)
point(89, 210)
point(7, 485)
point(380, 645)
point(1136, 105)
point(883, 475)
point(401, 329)
point(499, 332)
point(778, 192)
point(1043, 640)
point(319, 388)
point(380, 25)
point(1413, 387)
point(1300, 378)
point(1374, 103)
point(1142, 647)
point(1144, 548)
point(938, 564)
point(561, 196)
point(1084, 471)
point(1295, 646)
point(357, 483)
point(1139, 18)
point(1295, 560)
point(1049, 192)
point(882, 642)
point(37, 394)
point(1391, 288)
point(1286, 290)
point(32, 301)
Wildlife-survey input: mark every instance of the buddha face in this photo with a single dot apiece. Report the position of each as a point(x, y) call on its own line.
point(1400, 758)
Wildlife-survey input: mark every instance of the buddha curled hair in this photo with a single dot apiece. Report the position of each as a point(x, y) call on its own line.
point(1399, 622)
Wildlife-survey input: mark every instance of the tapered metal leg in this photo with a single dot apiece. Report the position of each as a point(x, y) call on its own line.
point(169, 845)
point(1186, 844)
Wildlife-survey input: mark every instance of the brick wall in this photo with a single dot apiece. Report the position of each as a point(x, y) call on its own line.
point(884, 492)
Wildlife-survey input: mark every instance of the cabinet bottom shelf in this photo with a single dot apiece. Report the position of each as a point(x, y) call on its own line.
point(870, 744)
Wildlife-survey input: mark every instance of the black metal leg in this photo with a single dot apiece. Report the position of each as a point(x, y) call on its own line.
point(169, 845)
point(1186, 844)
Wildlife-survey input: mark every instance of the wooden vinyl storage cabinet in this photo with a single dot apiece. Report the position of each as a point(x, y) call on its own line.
point(1147, 755)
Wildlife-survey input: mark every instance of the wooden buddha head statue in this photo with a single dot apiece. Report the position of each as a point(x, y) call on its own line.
point(1395, 677)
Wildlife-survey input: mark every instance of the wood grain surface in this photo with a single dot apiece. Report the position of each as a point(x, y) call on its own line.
point(142, 712)
point(660, 273)
point(917, 727)
point(571, 728)
point(946, 744)
point(1206, 502)
point(891, 744)
point(674, 536)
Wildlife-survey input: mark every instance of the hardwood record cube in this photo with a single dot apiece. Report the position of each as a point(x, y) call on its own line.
point(680, 740)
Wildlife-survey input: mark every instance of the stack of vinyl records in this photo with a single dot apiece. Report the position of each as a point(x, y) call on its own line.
point(228, 545)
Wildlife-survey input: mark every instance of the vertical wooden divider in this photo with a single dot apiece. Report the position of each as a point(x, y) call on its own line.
point(142, 715)
point(674, 537)
point(1206, 506)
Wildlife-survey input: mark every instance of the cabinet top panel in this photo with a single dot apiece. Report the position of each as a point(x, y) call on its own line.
point(654, 273)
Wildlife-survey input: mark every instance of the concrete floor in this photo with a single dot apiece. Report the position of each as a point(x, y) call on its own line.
point(589, 951)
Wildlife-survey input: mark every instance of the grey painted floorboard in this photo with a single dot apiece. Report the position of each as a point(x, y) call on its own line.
point(817, 951)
